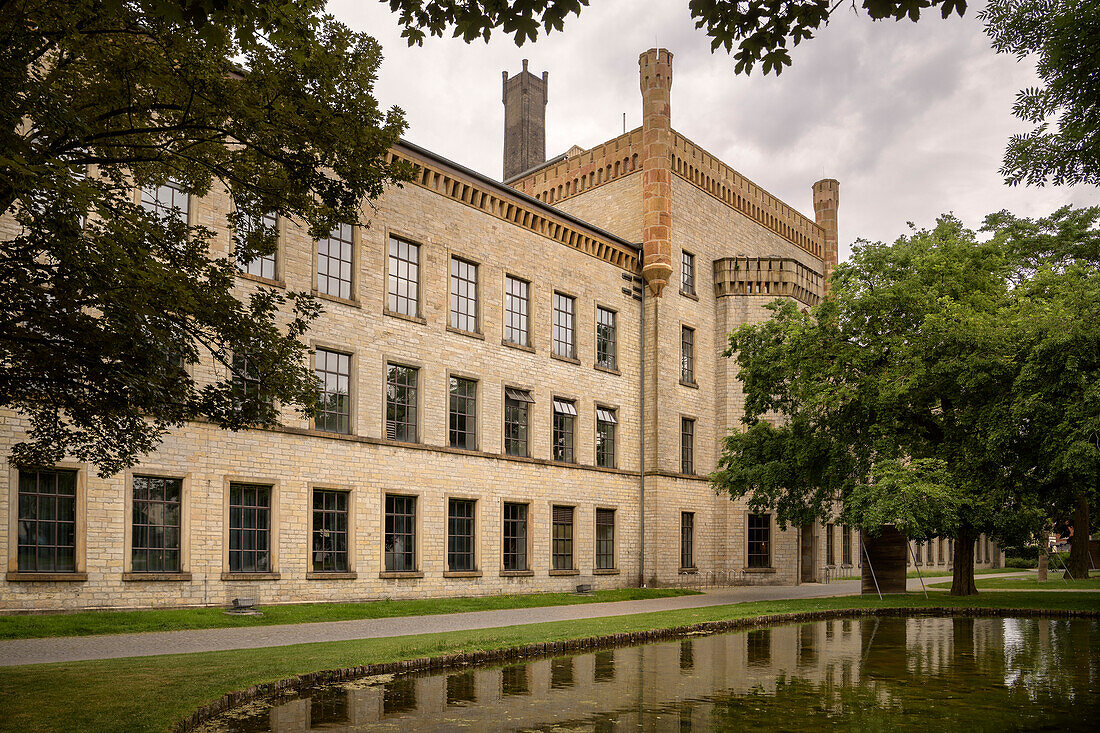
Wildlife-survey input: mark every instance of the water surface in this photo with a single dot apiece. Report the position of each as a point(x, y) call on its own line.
point(874, 674)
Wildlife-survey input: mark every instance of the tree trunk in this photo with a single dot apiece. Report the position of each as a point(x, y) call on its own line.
point(962, 578)
point(1078, 565)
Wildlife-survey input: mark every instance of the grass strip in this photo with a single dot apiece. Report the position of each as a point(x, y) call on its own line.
point(153, 693)
point(1054, 582)
point(947, 573)
point(92, 623)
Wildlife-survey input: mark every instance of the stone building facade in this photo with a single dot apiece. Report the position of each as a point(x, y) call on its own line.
point(524, 391)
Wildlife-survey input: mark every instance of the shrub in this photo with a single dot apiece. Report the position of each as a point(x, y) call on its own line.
point(1021, 562)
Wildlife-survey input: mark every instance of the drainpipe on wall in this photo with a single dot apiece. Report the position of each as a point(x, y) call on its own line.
point(641, 451)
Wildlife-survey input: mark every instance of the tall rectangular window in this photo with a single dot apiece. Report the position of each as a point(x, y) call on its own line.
point(516, 416)
point(333, 371)
point(561, 545)
point(687, 445)
point(460, 535)
point(246, 377)
point(565, 326)
point(334, 260)
point(47, 522)
point(687, 539)
point(400, 539)
point(401, 403)
point(260, 265)
point(687, 355)
point(330, 531)
point(830, 553)
point(155, 533)
point(249, 528)
point(605, 437)
point(517, 311)
point(462, 428)
point(939, 550)
point(166, 200)
point(760, 541)
point(687, 273)
point(515, 537)
point(565, 415)
point(846, 545)
point(605, 338)
point(463, 295)
point(403, 289)
point(605, 539)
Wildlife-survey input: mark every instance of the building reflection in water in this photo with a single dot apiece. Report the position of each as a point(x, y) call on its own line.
point(982, 674)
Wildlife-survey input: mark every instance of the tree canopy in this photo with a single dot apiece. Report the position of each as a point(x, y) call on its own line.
point(946, 386)
point(107, 307)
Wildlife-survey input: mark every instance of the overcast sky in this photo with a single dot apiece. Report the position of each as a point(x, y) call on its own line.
point(912, 119)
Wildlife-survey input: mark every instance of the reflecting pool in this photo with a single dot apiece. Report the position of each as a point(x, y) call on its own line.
point(932, 674)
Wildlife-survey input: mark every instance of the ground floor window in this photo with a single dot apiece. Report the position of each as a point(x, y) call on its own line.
point(155, 533)
point(330, 531)
point(460, 535)
point(561, 544)
point(760, 541)
point(515, 537)
point(249, 528)
point(400, 539)
point(830, 551)
point(605, 539)
point(687, 539)
point(846, 544)
point(47, 522)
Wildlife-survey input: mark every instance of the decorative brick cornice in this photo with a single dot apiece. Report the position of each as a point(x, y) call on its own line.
point(774, 276)
point(709, 174)
point(570, 175)
point(495, 199)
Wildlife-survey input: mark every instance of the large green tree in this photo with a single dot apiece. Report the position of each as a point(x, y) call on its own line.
point(106, 306)
point(891, 399)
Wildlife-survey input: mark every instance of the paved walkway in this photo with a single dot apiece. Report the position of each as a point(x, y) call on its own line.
point(72, 649)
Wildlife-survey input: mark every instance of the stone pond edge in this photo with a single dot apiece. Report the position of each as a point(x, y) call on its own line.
point(554, 648)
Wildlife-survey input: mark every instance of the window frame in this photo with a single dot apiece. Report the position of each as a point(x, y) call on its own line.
point(687, 445)
point(272, 573)
point(452, 280)
point(131, 504)
point(418, 302)
point(184, 478)
point(570, 541)
point(188, 215)
point(349, 572)
point(768, 529)
point(474, 552)
point(504, 438)
point(846, 545)
point(527, 537)
point(687, 355)
point(352, 393)
point(571, 329)
point(830, 544)
point(276, 256)
point(687, 262)
point(507, 314)
point(687, 540)
point(554, 430)
point(474, 419)
point(79, 571)
point(613, 552)
point(417, 513)
point(387, 362)
point(353, 284)
point(599, 447)
point(612, 363)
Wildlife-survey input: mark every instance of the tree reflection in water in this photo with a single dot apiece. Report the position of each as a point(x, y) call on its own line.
point(875, 674)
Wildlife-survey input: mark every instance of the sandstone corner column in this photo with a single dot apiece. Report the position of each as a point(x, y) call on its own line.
point(826, 203)
point(655, 67)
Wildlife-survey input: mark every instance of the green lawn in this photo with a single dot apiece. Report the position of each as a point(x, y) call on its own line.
point(152, 693)
point(91, 623)
point(1051, 583)
point(947, 573)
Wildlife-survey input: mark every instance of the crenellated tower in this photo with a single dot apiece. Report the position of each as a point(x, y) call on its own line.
point(655, 66)
point(826, 202)
point(524, 121)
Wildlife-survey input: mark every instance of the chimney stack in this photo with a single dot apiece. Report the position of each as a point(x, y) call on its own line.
point(524, 121)
point(655, 66)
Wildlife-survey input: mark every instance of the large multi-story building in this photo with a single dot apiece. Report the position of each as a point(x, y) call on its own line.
point(523, 390)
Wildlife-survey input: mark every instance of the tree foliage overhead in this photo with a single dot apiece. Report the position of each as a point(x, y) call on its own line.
point(107, 309)
point(760, 29)
point(1064, 38)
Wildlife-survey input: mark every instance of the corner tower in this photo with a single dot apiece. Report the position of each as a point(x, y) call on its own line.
point(655, 67)
point(524, 121)
point(826, 203)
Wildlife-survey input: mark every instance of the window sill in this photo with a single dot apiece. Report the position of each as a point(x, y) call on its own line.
point(567, 359)
point(686, 383)
point(250, 576)
point(331, 576)
point(165, 577)
point(689, 571)
point(558, 462)
point(462, 574)
point(405, 317)
point(607, 370)
point(410, 574)
point(337, 299)
point(262, 280)
point(764, 571)
point(559, 573)
point(471, 334)
point(22, 577)
point(689, 294)
point(514, 345)
point(605, 571)
point(517, 573)
point(316, 429)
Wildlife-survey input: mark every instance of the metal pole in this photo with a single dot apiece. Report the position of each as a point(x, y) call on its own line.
point(641, 448)
point(909, 553)
point(867, 559)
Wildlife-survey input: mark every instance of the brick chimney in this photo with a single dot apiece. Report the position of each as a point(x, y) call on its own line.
point(655, 67)
point(826, 203)
point(524, 121)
